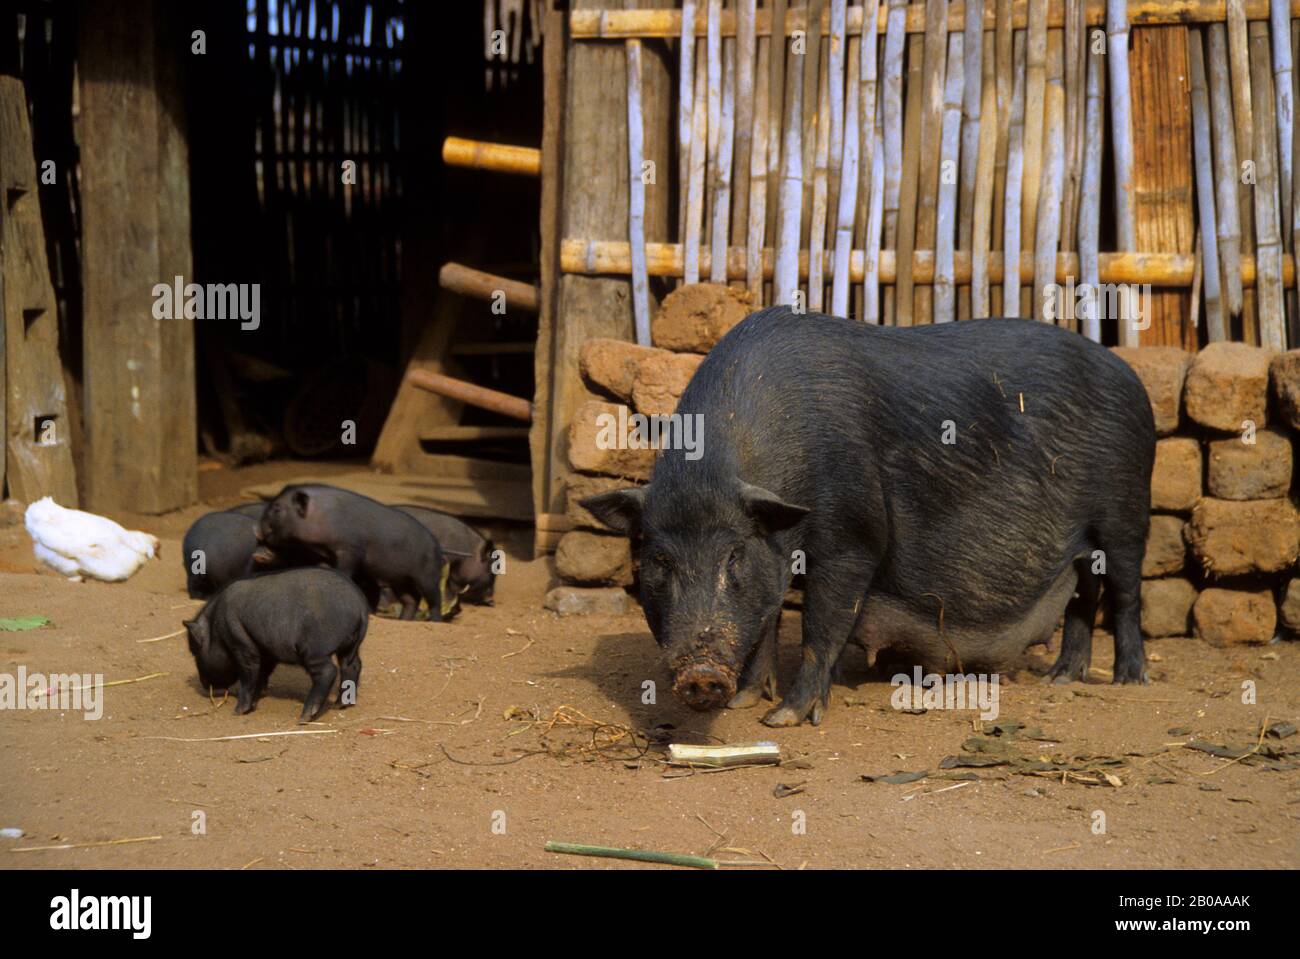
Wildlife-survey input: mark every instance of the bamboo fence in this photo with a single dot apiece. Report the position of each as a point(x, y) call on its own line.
point(886, 160)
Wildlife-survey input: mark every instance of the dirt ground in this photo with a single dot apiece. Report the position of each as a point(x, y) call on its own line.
point(472, 745)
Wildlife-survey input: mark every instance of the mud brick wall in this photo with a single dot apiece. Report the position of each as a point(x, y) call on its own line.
point(1225, 529)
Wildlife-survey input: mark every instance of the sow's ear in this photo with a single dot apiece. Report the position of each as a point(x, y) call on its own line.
point(619, 509)
point(767, 509)
point(300, 500)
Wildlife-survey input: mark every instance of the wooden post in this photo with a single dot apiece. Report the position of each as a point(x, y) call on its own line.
point(1121, 113)
point(1205, 191)
point(1226, 171)
point(1268, 250)
point(140, 423)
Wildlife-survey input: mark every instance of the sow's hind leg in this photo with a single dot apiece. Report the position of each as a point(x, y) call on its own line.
point(1076, 640)
point(1124, 586)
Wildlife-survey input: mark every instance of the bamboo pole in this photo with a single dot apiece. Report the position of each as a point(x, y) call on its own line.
point(1035, 98)
point(979, 272)
point(1284, 115)
point(868, 134)
point(835, 53)
point(847, 199)
point(1002, 43)
point(775, 105)
point(1293, 299)
point(757, 210)
point(817, 224)
point(746, 78)
point(785, 278)
point(695, 197)
point(497, 157)
point(813, 14)
point(1090, 193)
point(1015, 173)
point(936, 54)
point(722, 174)
point(875, 216)
point(1076, 53)
point(1226, 171)
point(1047, 234)
point(1216, 326)
point(908, 191)
point(1268, 245)
point(972, 96)
point(685, 114)
point(1171, 270)
point(949, 162)
point(636, 195)
point(892, 129)
point(1243, 129)
point(713, 99)
point(1121, 142)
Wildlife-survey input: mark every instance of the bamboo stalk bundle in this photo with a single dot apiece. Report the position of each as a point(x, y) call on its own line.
point(1015, 171)
point(1284, 116)
point(972, 96)
point(1048, 227)
point(685, 113)
point(847, 199)
point(1216, 326)
point(746, 78)
point(1002, 43)
point(1090, 194)
point(1035, 105)
point(775, 106)
point(695, 192)
point(817, 224)
point(868, 131)
point(892, 128)
point(814, 12)
point(1226, 171)
point(835, 53)
point(936, 57)
point(1243, 130)
point(636, 195)
point(875, 216)
point(722, 174)
point(949, 161)
point(785, 278)
point(1268, 243)
point(907, 194)
point(757, 209)
point(984, 185)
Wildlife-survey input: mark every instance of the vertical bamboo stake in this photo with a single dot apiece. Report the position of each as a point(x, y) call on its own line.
point(1076, 53)
point(745, 81)
point(835, 52)
point(875, 216)
point(867, 131)
point(713, 97)
point(1280, 28)
point(949, 162)
point(1226, 171)
point(1122, 143)
point(892, 129)
point(695, 196)
point(988, 142)
point(1268, 246)
point(636, 195)
point(1293, 302)
point(908, 203)
point(811, 66)
point(1216, 328)
point(722, 175)
point(775, 106)
point(972, 95)
point(785, 274)
point(685, 114)
point(1090, 195)
point(1243, 129)
point(936, 54)
point(847, 200)
point(1002, 44)
point(758, 176)
point(1047, 231)
point(1035, 94)
point(817, 225)
point(1015, 171)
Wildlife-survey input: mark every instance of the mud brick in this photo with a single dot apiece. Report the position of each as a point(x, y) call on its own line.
point(1284, 371)
point(610, 366)
point(1227, 384)
point(1176, 478)
point(594, 558)
point(660, 380)
point(1166, 551)
point(1231, 537)
point(1166, 606)
point(586, 454)
point(1290, 608)
point(1259, 470)
point(1228, 617)
point(578, 486)
point(1162, 370)
point(577, 601)
point(694, 317)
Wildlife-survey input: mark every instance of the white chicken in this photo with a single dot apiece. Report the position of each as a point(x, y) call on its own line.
point(82, 544)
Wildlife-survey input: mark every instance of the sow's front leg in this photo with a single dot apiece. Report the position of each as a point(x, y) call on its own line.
point(831, 604)
point(759, 678)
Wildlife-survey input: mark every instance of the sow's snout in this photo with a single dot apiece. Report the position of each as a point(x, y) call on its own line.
point(704, 685)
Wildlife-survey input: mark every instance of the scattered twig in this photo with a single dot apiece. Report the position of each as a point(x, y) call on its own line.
point(222, 739)
point(87, 845)
point(522, 650)
point(116, 682)
point(159, 639)
point(638, 855)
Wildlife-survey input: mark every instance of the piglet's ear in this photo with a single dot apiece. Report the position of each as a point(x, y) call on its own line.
point(619, 509)
point(767, 509)
point(300, 500)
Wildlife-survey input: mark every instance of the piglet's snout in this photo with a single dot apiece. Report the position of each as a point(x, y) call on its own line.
point(704, 686)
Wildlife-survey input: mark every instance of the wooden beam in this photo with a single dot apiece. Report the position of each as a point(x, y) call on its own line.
point(479, 285)
point(140, 422)
point(473, 394)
